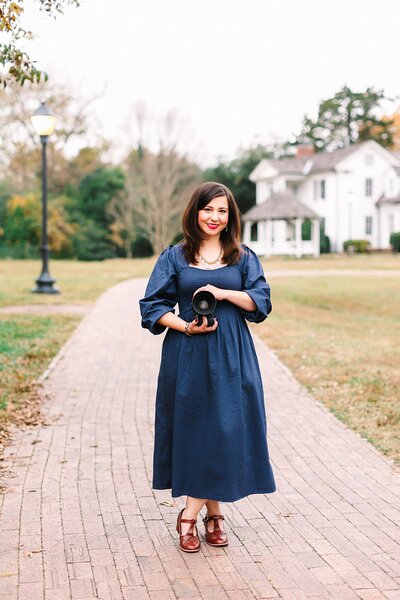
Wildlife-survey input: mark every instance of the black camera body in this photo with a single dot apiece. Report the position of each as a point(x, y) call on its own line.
point(204, 304)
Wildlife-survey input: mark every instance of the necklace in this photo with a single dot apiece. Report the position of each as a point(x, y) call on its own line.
point(211, 262)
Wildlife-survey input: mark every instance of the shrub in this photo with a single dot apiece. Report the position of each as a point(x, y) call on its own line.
point(177, 237)
point(324, 244)
point(141, 247)
point(90, 242)
point(358, 245)
point(395, 241)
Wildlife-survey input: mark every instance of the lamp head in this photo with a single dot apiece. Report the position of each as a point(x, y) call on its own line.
point(43, 120)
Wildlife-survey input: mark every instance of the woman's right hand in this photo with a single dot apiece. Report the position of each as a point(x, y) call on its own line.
point(194, 328)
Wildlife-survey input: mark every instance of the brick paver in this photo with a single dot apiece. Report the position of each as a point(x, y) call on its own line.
point(80, 520)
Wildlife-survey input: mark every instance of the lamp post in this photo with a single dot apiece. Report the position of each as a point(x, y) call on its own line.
point(44, 122)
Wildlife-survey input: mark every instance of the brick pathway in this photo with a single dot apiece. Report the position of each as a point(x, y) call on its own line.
point(80, 519)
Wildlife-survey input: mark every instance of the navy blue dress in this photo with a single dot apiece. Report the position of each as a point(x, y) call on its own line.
point(210, 418)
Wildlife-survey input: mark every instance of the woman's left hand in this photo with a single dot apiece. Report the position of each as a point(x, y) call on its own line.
point(219, 293)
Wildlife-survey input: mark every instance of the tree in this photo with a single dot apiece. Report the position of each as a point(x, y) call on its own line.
point(17, 65)
point(124, 226)
point(394, 124)
point(159, 180)
point(22, 223)
point(60, 229)
point(235, 173)
point(93, 237)
point(91, 242)
point(97, 190)
point(20, 146)
point(22, 226)
point(346, 118)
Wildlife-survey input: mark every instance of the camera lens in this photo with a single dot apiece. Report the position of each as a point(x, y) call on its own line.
point(203, 304)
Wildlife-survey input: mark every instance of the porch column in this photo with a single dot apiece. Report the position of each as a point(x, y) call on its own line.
point(268, 237)
point(298, 237)
point(246, 232)
point(315, 236)
point(262, 236)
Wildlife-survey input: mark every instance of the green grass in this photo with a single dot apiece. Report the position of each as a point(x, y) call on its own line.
point(339, 335)
point(82, 282)
point(27, 344)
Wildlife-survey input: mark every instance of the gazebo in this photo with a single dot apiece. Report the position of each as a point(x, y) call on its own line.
point(275, 227)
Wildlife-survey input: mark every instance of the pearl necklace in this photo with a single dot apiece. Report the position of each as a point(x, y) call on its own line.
point(206, 262)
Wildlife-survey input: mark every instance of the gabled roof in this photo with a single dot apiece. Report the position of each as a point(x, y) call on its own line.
point(397, 167)
point(281, 205)
point(289, 165)
point(322, 161)
point(384, 200)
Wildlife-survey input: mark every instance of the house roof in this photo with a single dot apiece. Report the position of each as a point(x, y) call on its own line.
point(281, 205)
point(397, 168)
point(321, 161)
point(385, 200)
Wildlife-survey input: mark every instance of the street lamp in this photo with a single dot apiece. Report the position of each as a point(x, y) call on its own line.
point(44, 122)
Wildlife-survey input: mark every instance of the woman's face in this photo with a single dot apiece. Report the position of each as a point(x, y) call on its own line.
point(213, 218)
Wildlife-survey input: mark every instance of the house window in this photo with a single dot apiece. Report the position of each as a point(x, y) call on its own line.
point(368, 186)
point(391, 222)
point(254, 232)
point(369, 159)
point(368, 225)
point(319, 189)
point(322, 224)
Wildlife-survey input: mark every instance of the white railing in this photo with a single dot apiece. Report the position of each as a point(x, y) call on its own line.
point(284, 248)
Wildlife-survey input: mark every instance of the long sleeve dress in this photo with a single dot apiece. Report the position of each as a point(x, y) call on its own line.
point(210, 419)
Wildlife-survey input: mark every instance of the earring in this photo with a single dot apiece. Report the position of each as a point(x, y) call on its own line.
point(226, 228)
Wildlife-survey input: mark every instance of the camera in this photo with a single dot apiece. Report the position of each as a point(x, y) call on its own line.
point(203, 304)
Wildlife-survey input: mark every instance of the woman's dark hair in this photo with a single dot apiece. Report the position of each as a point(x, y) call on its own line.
point(193, 235)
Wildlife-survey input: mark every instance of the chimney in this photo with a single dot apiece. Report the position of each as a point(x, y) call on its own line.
point(304, 151)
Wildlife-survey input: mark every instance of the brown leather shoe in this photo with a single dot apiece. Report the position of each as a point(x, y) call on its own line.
point(216, 537)
point(189, 542)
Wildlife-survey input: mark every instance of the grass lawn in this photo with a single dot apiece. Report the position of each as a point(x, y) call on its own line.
point(340, 338)
point(81, 282)
point(339, 335)
point(27, 344)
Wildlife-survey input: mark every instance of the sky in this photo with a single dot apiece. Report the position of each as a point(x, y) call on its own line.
point(235, 72)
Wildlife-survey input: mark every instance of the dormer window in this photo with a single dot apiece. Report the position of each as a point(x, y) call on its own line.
point(307, 166)
point(369, 159)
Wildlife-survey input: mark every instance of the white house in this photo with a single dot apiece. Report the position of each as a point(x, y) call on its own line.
point(352, 193)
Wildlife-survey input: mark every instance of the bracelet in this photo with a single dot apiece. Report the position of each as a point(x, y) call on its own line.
point(187, 329)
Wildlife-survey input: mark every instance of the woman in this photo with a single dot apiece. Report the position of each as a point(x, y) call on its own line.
point(210, 421)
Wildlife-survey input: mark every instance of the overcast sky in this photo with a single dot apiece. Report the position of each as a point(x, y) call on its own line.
point(237, 72)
